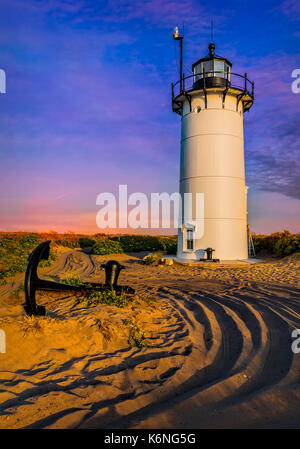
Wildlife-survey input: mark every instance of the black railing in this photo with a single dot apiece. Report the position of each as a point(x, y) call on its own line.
point(233, 80)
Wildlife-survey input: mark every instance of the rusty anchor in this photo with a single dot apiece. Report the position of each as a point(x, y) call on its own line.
point(33, 282)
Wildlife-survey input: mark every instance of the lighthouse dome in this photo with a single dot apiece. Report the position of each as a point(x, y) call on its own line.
point(211, 71)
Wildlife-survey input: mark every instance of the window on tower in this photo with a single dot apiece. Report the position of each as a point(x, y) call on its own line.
point(219, 68)
point(212, 67)
point(189, 239)
point(227, 70)
point(208, 68)
point(198, 72)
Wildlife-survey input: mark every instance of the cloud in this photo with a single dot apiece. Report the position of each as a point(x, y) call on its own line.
point(267, 173)
point(291, 8)
point(272, 128)
point(272, 212)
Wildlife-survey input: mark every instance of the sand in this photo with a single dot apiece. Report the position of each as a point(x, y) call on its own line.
point(218, 356)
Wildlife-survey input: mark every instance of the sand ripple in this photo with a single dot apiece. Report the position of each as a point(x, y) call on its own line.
point(219, 351)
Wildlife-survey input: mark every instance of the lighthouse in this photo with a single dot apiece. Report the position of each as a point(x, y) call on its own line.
point(212, 102)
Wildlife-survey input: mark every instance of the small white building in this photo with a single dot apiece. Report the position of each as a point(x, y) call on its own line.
point(211, 103)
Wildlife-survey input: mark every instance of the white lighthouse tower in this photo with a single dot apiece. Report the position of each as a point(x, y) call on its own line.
point(211, 103)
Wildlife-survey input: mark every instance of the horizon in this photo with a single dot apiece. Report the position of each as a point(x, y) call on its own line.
point(116, 234)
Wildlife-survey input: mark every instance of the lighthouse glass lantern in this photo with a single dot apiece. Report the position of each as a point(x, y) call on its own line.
point(212, 102)
point(214, 67)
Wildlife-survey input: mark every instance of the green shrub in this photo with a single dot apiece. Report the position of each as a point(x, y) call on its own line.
point(172, 248)
point(15, 248)
point(14, 251)
point(136, 243)
point(136, 335)
point(108, 297)
point(107, 246)
point(29, 241)
point(258, 244)
point(167, 244)
point(286, 245)
point(153, 259)
point(279, 244)
point(19, 290)
point(68, 240)
point(85, 242)
point(74, 279)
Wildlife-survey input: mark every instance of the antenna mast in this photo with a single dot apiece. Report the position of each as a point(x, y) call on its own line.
point(179, 38)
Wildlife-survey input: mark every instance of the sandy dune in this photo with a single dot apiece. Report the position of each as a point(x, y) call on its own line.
point(219, 350)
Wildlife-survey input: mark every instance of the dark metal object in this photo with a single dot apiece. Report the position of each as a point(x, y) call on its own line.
point(180, 39)
point(211, 48)
point(34, 283)
point(181, 62)
point(210, 80)
point(211, 57)
point(209, 252)
point(204, 88)
point(112, 271)
point(226, 88)
point(209, 258)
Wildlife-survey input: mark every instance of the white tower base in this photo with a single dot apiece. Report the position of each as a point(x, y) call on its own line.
point(212, 163)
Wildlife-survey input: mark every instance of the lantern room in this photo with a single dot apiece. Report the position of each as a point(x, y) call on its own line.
point(212, 71)
point(209, 74)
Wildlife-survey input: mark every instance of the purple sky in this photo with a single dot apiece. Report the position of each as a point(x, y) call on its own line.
point(88, 104)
